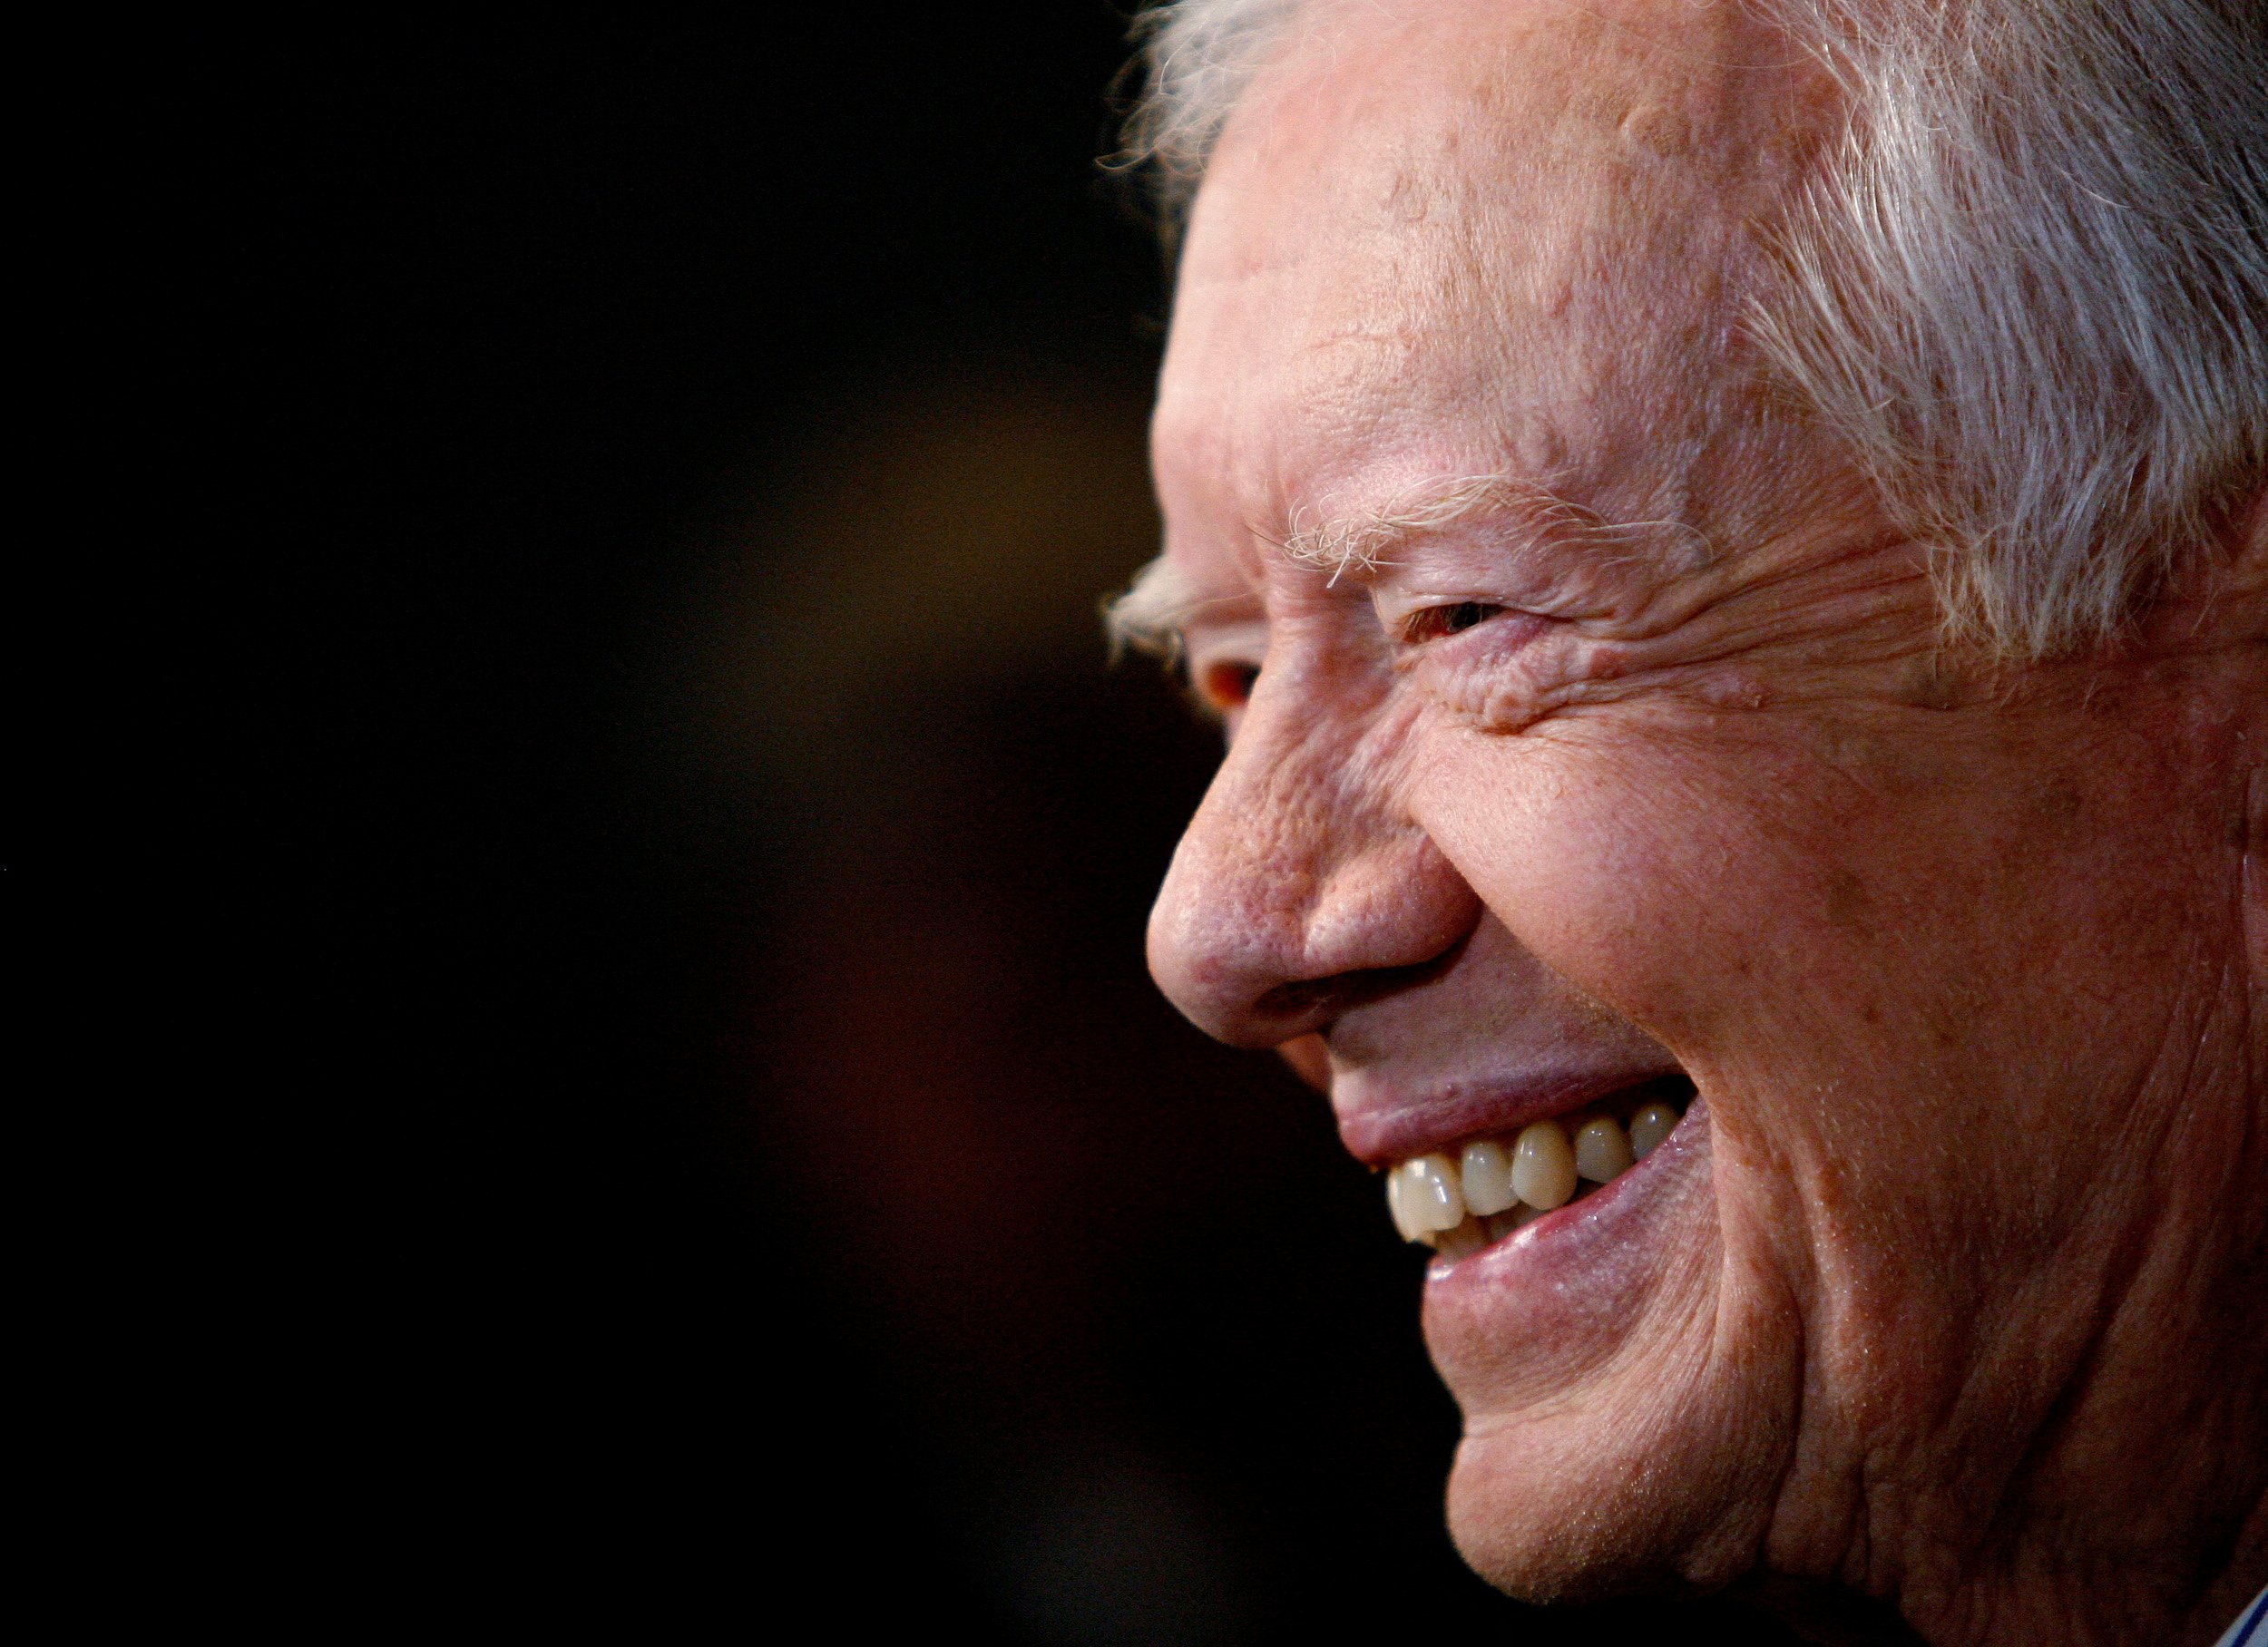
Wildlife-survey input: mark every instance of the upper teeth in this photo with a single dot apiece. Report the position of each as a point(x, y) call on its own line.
point(1495, 1185)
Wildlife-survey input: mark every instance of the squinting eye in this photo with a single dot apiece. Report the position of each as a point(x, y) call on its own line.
point(1228, 685)
point(1436, 623)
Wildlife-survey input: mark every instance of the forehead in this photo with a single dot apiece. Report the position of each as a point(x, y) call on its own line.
point(1468, 239)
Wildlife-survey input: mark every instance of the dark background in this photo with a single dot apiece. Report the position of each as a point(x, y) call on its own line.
point(744, 1164)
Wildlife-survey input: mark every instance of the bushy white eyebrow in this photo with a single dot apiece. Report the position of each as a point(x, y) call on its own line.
point(1152, 613)
point(1361, 541)
point(2028, 286)
point(1163, 599)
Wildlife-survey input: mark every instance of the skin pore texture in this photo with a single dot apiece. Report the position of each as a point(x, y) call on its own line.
point(1589, 724)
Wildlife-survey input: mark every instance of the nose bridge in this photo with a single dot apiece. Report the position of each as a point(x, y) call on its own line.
point(1299, 875)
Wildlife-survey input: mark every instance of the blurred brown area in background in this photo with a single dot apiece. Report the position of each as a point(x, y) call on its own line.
point(1100, 1268)
point(715, 848)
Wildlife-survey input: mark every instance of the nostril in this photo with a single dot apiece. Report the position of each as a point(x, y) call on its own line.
point(1281, 889)
point(1310, 1060)
point(1309, 1004)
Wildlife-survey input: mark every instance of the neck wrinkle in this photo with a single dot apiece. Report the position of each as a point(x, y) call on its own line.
point(2169, 1450)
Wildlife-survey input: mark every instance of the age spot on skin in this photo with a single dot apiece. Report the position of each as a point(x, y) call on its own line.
point(1658, 129)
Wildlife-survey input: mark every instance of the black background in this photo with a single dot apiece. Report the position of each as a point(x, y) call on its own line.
point(739, 1164)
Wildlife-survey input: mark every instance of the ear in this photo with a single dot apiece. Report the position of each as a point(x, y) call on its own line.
point(2252, 527)
point(2255, 888)
point(2221, 597)
point(2248, 580)
point(2252, 575)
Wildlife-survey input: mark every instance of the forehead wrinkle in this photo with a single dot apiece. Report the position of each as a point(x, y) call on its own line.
point(1463, 266)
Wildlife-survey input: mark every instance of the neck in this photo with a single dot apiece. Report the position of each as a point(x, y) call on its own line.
point(2138, 1511)
point(2131, 1498)
point(2096, 1472)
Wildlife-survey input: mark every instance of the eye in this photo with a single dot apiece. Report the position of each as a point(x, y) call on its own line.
point(1439, 622)
point(1227, 684)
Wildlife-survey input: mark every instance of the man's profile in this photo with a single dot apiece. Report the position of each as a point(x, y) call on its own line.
point(1731, 545)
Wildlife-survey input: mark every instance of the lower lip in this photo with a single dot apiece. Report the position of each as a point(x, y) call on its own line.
point(1538, 1306)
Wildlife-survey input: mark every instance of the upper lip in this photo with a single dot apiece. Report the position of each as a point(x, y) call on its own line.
point(1382, 1124)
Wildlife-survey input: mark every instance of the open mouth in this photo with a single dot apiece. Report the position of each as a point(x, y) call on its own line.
point(1464, 1198)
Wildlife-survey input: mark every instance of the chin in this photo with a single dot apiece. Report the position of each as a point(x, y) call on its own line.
point(1629, 1409)
point(1580, 1508)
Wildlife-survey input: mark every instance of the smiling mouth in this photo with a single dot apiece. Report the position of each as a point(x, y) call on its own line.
point(1460, 1200)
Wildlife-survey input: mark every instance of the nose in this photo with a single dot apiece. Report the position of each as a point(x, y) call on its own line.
point(1301, 889)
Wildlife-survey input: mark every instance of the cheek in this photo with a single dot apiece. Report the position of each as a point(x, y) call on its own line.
point(1505, 678)
point(1863, 979)
point(1664, 881)
point(1711, 895)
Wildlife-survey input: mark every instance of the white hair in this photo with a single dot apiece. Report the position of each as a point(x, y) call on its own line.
point(2029, 288)
point(1198, 56)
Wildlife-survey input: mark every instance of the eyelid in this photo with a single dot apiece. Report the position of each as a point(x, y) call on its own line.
point(1396, 607)
point(1210, 643)
point(1442, 622)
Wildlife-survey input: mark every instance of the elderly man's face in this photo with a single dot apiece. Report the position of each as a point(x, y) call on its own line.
point(1597, 741)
